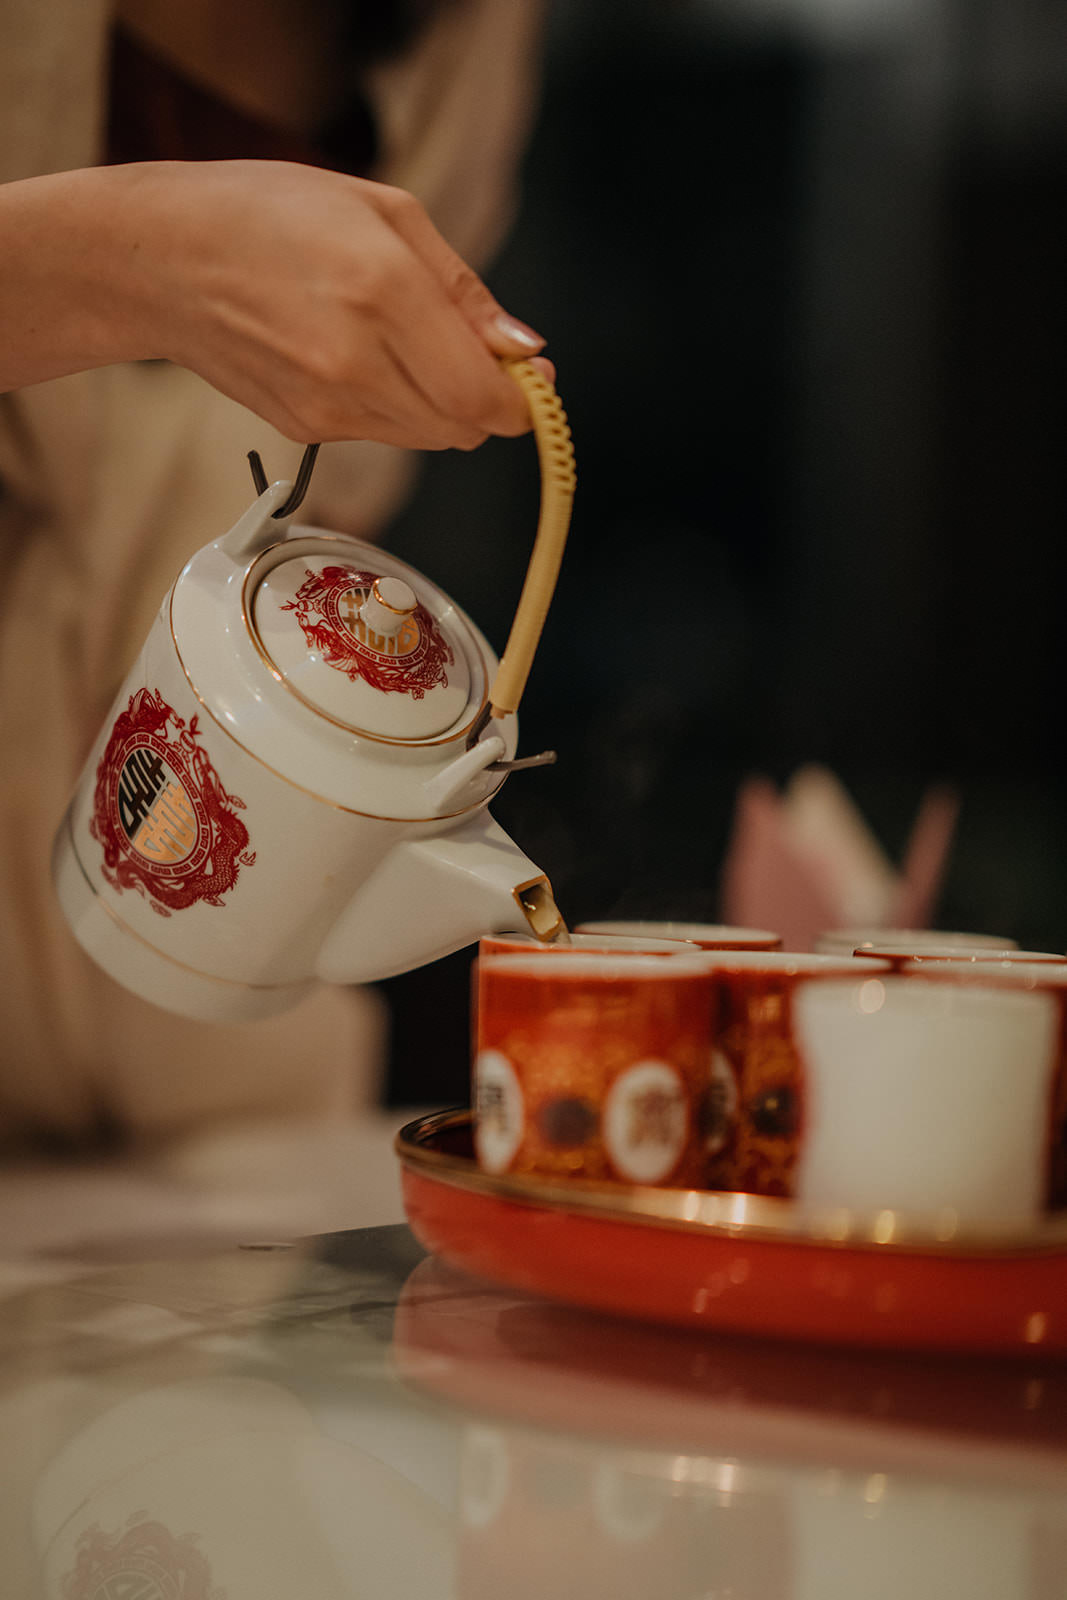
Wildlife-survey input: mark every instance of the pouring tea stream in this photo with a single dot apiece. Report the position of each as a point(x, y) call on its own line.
point(293, 782)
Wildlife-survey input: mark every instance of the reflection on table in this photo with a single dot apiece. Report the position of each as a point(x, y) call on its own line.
point(348, 1418)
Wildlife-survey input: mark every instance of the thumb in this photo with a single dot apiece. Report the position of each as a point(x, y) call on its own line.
point(503, 334)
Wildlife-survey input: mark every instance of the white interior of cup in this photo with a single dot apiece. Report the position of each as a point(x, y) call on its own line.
point(787, 962)
point(692, 932)
point(584, 964)
point(521, 943)
point(925, 1096)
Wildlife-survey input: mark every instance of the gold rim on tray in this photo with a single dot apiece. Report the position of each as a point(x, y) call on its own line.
point(719, 1212)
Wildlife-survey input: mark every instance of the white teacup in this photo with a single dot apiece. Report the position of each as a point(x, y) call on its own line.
point(926, 1098)
point(1049, 977)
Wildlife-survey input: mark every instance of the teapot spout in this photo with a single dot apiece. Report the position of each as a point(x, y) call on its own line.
point(429, 897)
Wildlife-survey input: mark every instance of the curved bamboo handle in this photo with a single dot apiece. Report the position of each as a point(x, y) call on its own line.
point(556, 454)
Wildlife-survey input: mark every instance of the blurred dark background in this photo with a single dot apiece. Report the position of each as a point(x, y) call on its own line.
point(802, 265)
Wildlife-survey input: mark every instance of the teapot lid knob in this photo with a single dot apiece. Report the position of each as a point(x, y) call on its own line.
point(388, 606)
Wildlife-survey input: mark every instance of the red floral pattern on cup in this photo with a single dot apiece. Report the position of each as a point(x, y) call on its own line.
point(759, 1153)
point(592, 1073)
point(763, 1129)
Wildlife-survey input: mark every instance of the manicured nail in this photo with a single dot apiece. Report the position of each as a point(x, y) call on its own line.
point(518, 333)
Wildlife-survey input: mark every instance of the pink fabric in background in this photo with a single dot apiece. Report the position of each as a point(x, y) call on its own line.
point(804, 861)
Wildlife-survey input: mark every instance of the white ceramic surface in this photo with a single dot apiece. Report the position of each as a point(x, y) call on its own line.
point(790, 963)
point(719, 934)
point(925, 1097)
point(605, 943)
point(564, 966)
point(228, 844)
point(1018, 974)
point(355, 702)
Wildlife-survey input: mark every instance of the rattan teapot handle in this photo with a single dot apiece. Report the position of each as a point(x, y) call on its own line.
point(556, 454)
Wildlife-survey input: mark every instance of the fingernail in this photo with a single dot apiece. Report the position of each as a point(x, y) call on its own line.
point(511, 328)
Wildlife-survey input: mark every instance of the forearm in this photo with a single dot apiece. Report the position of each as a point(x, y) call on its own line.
point(328, 305)
point(69, 296)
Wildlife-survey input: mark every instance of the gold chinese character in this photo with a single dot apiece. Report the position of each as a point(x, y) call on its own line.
point(653, 1118)
point(169, 831)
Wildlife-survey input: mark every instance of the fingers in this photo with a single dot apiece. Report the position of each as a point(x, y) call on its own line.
point(505, 334)
point(477, 390)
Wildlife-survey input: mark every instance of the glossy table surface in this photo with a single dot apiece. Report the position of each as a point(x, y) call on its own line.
point(344, 1416)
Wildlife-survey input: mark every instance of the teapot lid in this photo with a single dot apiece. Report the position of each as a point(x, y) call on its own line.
point(366, 642)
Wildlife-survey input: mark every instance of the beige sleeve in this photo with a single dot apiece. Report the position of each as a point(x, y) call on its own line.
point(455, 116)
point(454, 119)
point(51, 85)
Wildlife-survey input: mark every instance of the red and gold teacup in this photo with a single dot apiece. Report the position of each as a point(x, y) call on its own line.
point(525, 944)
point(593, 1066)
point(754, 1143)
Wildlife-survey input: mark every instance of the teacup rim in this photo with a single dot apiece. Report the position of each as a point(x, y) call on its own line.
point(955, 987)
point(795, 963)
point(961, 954)
point(585, 964)
point(1001, 974)
point(635, 946)
point(932, 936)
point(686, 931)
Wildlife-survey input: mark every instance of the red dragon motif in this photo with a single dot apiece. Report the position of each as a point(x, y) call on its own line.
point(326, 607)
point(144, 1562)
point(167, 826)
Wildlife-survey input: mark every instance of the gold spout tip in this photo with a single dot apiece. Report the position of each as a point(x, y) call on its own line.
point(537, 904)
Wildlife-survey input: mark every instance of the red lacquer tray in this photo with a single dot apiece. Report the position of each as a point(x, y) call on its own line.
point(737, 1262)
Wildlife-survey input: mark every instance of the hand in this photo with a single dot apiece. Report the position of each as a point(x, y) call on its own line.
point(329, 305)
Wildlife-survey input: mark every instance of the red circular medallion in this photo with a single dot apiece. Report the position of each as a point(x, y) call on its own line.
point(328, 606)
point(168, 828)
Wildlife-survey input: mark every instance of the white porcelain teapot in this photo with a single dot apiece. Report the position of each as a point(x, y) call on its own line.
point(292, 784)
